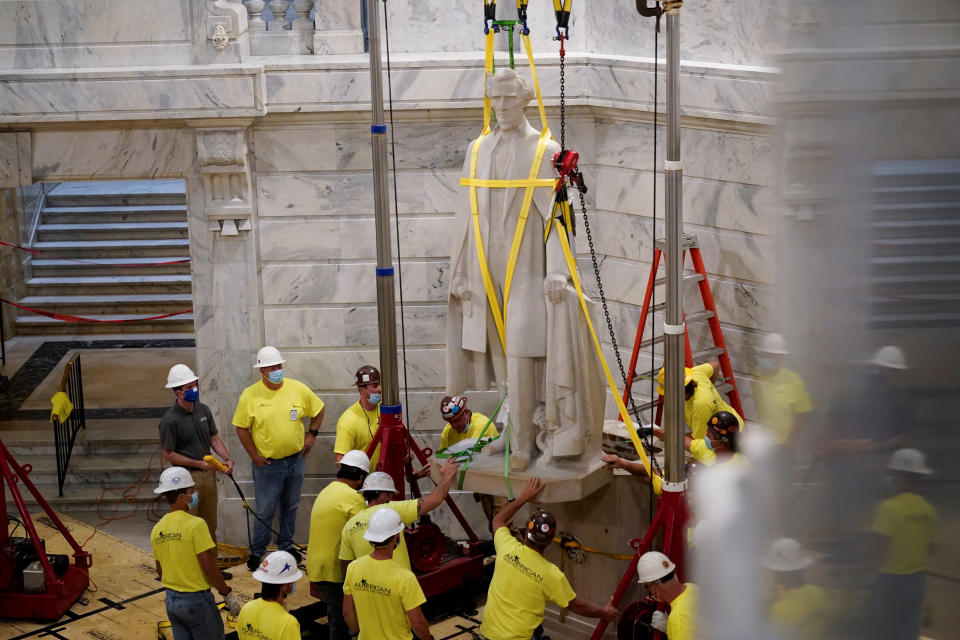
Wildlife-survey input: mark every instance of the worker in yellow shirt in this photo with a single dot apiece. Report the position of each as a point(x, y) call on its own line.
point(186, 561)
point(720, 444)
point(523, 580)
point(657, 573)
point(701, 398)
point(269, 425)
point(266, 618)
point(381, 599)
point(801, 610)
point(903, 525)
point(359, 422)
point(462, 423)
point(779, 393)
point(378, 490)
point(338, 502)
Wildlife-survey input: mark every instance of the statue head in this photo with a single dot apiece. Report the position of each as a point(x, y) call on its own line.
point(509, 94)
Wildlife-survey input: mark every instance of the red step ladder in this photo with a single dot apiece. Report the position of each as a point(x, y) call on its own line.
point(727, 385)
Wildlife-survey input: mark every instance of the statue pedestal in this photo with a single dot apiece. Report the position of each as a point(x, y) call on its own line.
point(565, 482)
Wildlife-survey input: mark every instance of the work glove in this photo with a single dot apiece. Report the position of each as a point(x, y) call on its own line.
point(645, 431)
point(233, 605)
point(659, 621)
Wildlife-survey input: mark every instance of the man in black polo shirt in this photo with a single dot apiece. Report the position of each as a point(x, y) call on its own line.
point(187, 432)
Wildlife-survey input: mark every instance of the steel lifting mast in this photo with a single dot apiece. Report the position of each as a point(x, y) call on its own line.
point(426, 543)
point(671, 513)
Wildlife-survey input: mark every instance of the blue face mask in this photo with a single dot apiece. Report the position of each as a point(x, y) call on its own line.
point(708, 443)
point(276, 377)
point(375, 398)
point(194, 501)
point(191, 395)
point(766, 363)
point(293, 589)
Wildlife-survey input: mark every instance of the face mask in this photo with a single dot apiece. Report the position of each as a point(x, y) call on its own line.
point(194, 501)
point(293, 588)
point(191, 395)
point(276, 377)
point(766, 363)
point(708, 443)
point(375, 398)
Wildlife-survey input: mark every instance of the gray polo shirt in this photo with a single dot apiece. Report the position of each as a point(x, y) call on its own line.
point(188, 434)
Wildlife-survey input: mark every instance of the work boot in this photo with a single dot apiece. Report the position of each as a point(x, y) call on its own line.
point(253, 562)
point(296, 555)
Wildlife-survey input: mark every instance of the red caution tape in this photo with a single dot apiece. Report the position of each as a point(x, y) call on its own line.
point(93, 262)
point(69, 318)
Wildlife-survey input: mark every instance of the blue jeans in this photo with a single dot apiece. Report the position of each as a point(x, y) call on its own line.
point(194, 615)
point(277, 485)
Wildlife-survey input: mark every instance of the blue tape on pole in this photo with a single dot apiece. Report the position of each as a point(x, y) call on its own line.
point(391, 409)
point(378, 128)
point(384, 271)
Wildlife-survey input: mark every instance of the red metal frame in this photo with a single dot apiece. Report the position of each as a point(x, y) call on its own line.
point(60, 593)
point(671, 517)
point(397, 448)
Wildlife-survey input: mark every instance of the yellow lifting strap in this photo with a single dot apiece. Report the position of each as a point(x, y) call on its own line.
point(572, 266)
point(561, 211)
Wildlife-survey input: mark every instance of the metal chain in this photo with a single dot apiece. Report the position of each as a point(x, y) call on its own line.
point(563, 99)
point(606, 311)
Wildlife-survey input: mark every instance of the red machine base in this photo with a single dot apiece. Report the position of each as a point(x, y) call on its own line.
point(49, 605)
point(452, 573)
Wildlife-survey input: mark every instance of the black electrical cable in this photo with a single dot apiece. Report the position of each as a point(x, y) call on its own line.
point(396, 203)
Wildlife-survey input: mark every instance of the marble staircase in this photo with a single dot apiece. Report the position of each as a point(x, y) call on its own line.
point(114, 225)
point(114, 466)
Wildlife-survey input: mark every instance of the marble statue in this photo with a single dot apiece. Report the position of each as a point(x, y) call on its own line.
point(551, 371)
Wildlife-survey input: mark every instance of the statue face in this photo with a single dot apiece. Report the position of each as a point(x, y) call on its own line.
point(508, 106)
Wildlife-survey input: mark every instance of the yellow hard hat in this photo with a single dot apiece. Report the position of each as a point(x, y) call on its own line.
point(687, 378)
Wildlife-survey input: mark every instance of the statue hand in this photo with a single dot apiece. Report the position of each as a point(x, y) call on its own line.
point(554, 285)
point(458, 288)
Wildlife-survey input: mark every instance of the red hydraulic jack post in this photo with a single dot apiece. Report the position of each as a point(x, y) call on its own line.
point(425, 541)
point(59, 591)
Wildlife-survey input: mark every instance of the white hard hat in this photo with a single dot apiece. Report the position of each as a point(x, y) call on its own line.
point(180, 374)
point(774, 343)
point(910, 461)
point(786, 554)
point(384, 523)
point(278, 567)
point(267, 357)
point(890, 357)
point(379, 481)
point(357, 459)
point(174, 478)
point(652, 566)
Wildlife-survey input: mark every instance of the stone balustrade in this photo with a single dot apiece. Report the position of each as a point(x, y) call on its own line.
point(299, 27)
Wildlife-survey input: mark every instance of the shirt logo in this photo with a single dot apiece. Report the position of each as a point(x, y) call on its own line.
point(358, 526)
point(514, 561)
point(250, 630)
point(370, 587)
point(203, 419)
point(162, 537)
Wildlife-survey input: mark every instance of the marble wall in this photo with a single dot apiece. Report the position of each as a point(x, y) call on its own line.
point(302, 276)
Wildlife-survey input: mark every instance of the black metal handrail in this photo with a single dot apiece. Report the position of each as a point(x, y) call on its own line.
point(65, 433)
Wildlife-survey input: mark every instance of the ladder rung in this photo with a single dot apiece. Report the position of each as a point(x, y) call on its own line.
point(646, 344)
point(706, 354)
point(723, 387)
point(646, 375)
point(688, 277)
point(660, 306)
point(697, 316)
point(687, 241)
point(644, 406)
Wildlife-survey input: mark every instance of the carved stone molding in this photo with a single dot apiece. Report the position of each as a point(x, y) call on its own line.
point(226, 21)
point(222, 155)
